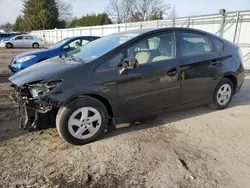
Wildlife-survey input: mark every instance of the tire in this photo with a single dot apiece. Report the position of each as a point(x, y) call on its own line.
point(221, 101)
point(68, 121)
point(9, 45)
point(35, 45)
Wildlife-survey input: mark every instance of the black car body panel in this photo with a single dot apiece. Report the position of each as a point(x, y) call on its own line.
point(181, 81)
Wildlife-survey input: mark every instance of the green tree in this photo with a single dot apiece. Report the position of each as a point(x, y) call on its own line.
point(91, 20)
point(39, 15)
point(157, 16)
point(19, 24)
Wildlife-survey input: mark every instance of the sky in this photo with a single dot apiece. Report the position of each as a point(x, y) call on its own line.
point(10, 9)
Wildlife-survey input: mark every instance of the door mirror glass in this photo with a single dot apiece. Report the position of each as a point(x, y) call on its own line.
point(67, 47)
point(130, 63)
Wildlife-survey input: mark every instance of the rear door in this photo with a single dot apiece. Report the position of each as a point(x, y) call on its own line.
point(155, 83)
point(28, 41)
point(200, 66)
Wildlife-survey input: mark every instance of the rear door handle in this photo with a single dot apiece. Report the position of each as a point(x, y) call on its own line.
point(215, 62)
point(172, 72)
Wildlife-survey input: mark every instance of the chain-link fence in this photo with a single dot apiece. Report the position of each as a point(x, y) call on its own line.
point(233, 26)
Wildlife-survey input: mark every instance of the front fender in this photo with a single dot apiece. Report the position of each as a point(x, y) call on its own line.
point(66, 96)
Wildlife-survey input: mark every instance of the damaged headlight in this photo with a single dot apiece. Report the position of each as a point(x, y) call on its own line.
point(39, 90)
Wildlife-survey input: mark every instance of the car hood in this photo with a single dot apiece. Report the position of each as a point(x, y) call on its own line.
point(33, 52)
point(43, 71)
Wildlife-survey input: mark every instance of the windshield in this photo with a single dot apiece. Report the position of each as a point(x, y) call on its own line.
point(100, 46)
point(61, 42)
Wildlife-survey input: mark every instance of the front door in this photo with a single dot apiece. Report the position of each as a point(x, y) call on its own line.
point(155, 83)
point(199, 67)
point(18, 41)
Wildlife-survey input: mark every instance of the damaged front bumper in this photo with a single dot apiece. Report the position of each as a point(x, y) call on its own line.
point(33, 113)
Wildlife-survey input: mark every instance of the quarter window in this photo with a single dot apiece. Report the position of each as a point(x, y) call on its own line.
point(112, 62)
point(218, 44)
point(154, 49)
point(194, 44)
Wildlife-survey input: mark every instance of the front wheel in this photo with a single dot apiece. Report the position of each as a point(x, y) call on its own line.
point(223, 94)
point(82, 121)
point(9, 45)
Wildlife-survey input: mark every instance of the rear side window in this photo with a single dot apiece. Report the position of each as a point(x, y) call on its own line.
point(218, 44)
point(28, 38)
point(194, 44)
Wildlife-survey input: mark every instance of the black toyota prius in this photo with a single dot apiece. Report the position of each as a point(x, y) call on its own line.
point(124, 76)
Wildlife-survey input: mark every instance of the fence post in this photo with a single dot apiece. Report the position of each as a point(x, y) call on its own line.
point(236, 26)
point(223, 20)
point(188, 24)
point(173, 20)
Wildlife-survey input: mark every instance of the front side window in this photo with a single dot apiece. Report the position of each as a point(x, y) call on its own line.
point(154, 49)
point(194, 44)
point(19, 38)
point(99, 47)
point(75, 44)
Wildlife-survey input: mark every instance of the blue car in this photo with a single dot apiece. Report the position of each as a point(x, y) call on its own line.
point(27, 59)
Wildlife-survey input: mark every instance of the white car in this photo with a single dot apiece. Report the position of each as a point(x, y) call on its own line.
point(22, 41)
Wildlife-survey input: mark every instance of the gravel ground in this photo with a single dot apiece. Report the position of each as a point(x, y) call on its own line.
point(194, 148)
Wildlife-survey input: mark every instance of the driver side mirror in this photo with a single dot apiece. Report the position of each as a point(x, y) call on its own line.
point(130, 63)
point(67, 47)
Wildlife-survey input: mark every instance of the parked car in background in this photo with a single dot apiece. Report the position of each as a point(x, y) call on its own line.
point(23, 41)
point(8, 35)
point(27, 59)
point(124, 76)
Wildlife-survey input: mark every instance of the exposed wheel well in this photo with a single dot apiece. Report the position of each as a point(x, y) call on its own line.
point(105, 102)
point(233, 79)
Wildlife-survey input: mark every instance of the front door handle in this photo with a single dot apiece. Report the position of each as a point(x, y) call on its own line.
point(172, 72)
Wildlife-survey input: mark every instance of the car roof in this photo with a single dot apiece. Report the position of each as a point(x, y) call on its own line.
point(152, 30)
point(83, 37)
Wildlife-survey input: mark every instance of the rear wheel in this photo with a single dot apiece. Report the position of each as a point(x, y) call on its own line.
point(9, 45)
point(223, 94)
point(35, 45)
point(82, 121)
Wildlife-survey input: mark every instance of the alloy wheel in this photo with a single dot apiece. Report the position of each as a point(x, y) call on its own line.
point(224, 94)
point(84, 122)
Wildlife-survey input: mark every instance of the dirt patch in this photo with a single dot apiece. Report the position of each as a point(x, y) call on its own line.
point(193, 148)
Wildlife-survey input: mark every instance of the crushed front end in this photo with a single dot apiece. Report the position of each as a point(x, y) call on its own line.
point(34, 108)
